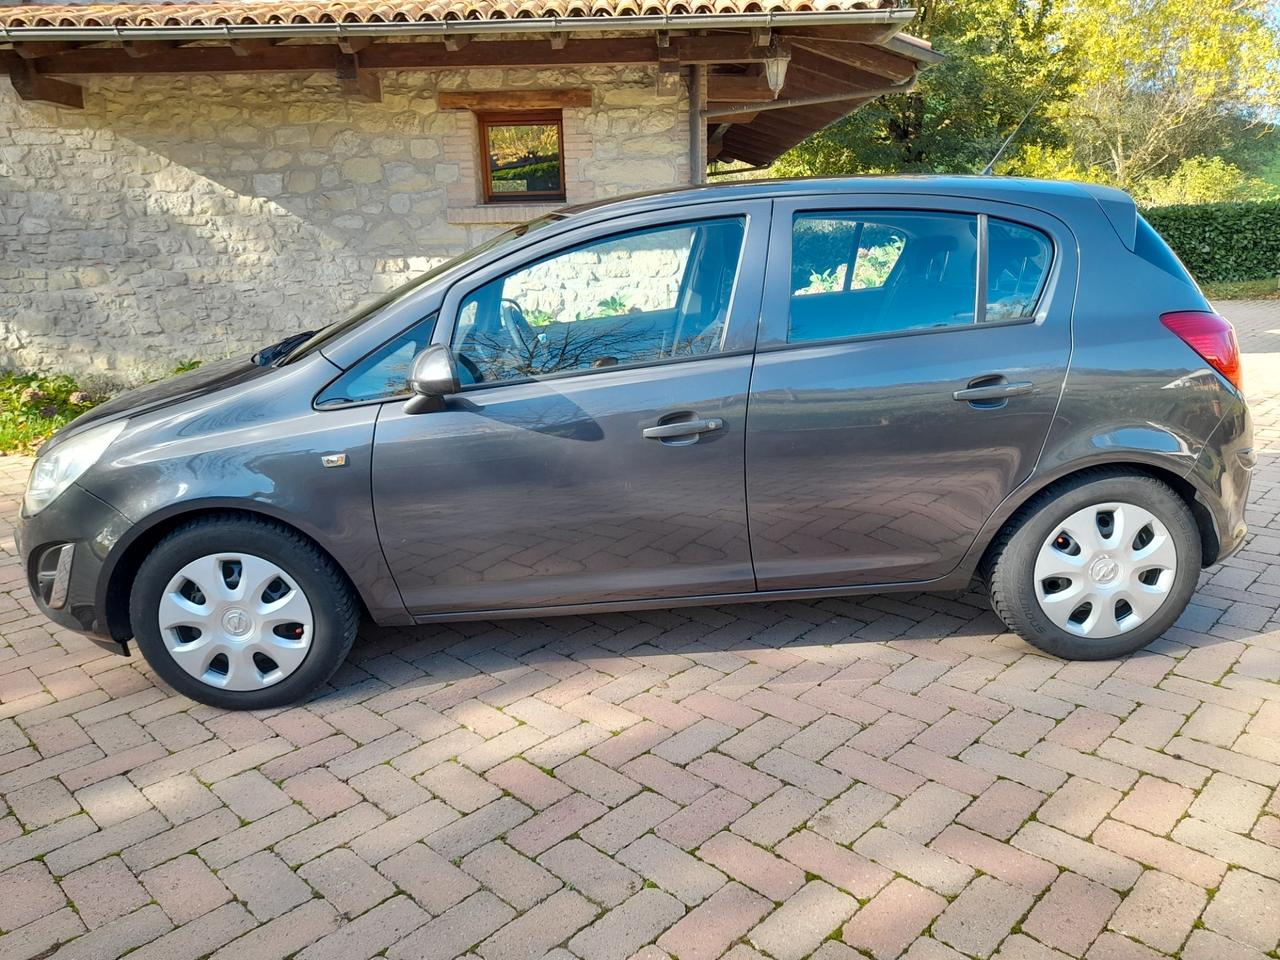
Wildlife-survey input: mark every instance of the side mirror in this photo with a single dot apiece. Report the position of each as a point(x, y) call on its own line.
point(433, 377)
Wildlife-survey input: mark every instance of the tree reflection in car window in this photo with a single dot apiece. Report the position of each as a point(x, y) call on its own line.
point(637, 297)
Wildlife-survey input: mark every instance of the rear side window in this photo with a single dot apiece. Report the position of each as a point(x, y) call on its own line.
point(1018, 260)
point(859, 273)
point(855, 274)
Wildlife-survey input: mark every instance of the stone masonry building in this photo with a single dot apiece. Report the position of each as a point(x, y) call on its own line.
point(185, 181)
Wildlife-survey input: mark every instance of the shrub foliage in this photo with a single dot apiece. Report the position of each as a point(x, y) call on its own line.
point(32, 406)
point(1223, 241)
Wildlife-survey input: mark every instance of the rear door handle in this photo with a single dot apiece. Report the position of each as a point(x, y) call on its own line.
point(998, 390)
point(683, 428)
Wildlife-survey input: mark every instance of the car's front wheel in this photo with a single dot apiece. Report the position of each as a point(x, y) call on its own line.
point(242, 613)
point(1097, 567)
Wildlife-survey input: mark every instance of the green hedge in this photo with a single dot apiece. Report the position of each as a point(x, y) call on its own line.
point(1223, 241)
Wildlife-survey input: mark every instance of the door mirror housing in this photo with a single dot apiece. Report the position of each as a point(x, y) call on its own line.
point(433, 377)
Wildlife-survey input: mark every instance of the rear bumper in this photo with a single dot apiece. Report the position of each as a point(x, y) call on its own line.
point(63, 550)
point(1222, 475)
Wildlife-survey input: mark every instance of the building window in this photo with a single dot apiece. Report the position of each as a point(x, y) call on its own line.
point(522, 156)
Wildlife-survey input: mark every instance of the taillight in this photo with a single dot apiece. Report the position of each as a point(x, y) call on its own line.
point(1212, 337)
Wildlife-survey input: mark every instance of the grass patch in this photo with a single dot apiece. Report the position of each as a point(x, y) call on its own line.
point(33, 406)
point(1268, 289)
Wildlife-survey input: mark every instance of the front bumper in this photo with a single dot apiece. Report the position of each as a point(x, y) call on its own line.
point(64, 549)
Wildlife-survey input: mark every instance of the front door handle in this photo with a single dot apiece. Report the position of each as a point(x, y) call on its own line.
point(683, 428)
point(991, 388)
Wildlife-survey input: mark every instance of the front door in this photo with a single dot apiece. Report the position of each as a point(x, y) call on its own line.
point(911, 356)
point(595, 452)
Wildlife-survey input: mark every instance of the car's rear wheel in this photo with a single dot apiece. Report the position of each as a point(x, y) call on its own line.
point(242, 613)
point(1097, 567)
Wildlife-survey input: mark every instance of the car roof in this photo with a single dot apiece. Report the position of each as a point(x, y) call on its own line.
point(1023, 190)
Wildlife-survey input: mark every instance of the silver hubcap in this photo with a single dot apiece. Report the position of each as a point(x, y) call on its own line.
point(1105, 570)
point(236, 621)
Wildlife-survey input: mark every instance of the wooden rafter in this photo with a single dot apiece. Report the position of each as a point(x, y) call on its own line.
point(31, 85)
point(353, 45)
point(871, 59)
point(248, 47)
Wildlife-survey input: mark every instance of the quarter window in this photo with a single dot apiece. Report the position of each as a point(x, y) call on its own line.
point(856, 274)
point(1017, 264)
point(382, 374)
point(637, 297)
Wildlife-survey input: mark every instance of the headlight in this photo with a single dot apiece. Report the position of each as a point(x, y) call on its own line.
point(56, 471)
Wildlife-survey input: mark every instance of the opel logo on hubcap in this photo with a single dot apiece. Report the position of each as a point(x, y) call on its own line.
point(1104, 570)
point(236, 622)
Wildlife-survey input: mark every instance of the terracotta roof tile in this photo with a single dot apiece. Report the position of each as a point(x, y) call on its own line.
point(232, 12)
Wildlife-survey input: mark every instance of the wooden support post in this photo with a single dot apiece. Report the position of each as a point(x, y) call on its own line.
point(30, 85)
point(697, 126)
point(358, 82)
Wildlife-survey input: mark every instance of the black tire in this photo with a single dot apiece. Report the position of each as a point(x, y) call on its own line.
point(1009, 570)
point(335, 608)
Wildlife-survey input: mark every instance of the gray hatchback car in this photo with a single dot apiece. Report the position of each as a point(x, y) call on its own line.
point(761, 391)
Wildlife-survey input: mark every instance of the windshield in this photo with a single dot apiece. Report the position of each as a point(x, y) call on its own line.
point(335, 330)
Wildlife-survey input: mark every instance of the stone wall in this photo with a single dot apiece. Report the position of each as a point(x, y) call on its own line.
point(189, 218)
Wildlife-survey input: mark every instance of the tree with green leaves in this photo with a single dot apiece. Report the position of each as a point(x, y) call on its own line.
point(1002, 57)
point(1159, 81)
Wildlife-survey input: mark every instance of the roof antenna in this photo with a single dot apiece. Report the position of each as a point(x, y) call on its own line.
point(986, 171)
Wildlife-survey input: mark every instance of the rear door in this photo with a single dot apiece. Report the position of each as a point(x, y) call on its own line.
point(911, 356)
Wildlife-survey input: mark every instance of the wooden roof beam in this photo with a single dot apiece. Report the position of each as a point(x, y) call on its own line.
point(738, 87)
point(317, 57)
point(30, 85)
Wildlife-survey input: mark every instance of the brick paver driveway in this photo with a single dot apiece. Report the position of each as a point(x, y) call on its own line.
point(837, 778)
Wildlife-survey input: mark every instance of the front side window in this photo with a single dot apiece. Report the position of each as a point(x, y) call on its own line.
point(523, 156)
point(637, 297)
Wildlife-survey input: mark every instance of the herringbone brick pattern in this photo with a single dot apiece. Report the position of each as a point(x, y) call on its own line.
point(848, 778)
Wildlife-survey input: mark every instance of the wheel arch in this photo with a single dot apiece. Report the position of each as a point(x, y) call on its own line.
point(116, 585)
point(1012, 514)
